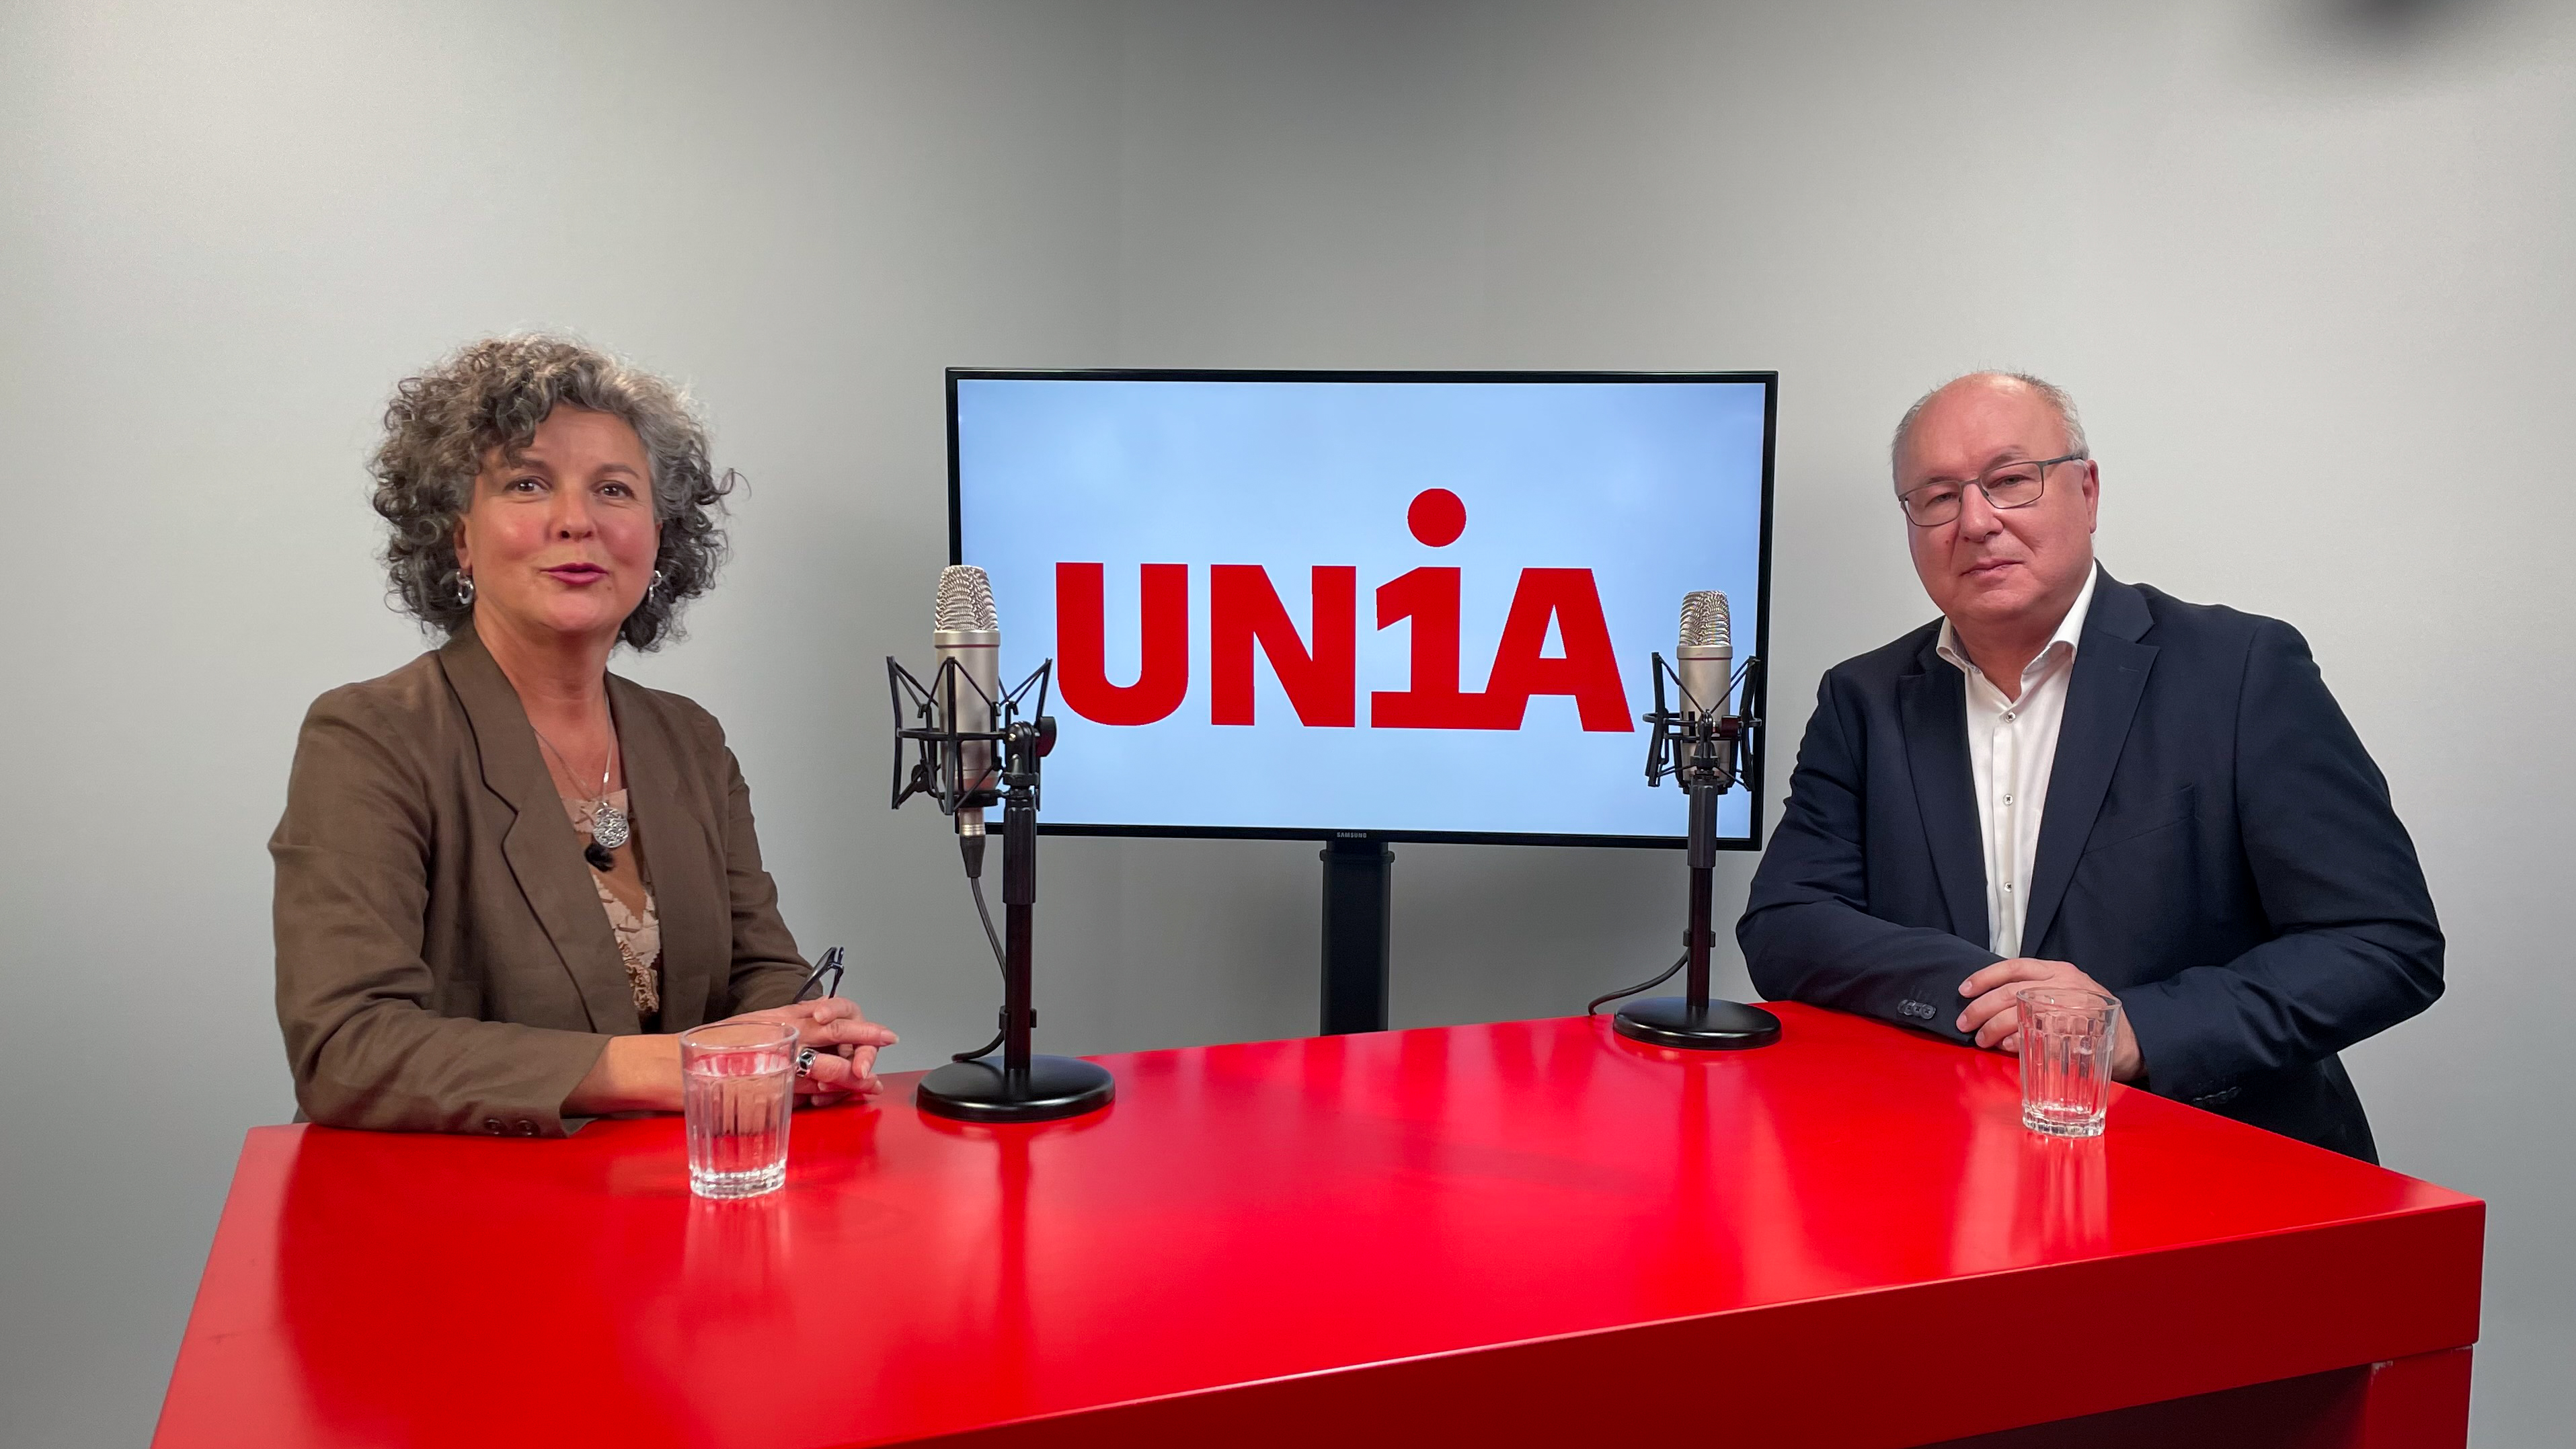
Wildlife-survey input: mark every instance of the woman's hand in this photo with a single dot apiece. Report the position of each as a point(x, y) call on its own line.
point(642, 1073)
point(845, 1046)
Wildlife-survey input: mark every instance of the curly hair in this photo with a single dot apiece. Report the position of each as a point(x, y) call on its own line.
point(492, 395)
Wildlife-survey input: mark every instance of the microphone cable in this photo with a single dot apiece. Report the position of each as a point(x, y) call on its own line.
point(1001, 960)
point(1593, 1007)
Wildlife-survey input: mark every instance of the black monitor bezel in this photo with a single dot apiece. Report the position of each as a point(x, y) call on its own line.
point(1770, 383)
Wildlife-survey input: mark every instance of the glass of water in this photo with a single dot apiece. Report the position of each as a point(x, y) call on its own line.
point(738, 1089)
point(2066, 1037)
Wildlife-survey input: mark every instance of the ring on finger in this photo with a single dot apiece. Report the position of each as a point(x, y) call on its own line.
point(805, 1062)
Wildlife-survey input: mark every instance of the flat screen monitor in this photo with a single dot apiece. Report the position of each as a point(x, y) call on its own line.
point(1310, 604)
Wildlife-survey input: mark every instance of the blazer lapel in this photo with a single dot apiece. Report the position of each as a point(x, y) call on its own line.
point(1933, 702)
point(542, 851)
point(681, 860)
point(2111, 670)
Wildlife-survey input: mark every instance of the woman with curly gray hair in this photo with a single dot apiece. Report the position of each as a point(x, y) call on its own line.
point(506, 878)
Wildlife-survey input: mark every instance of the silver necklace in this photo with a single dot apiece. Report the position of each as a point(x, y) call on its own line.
point(609, 826)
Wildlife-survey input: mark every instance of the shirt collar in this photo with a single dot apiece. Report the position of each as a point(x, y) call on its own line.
point(2069, 630)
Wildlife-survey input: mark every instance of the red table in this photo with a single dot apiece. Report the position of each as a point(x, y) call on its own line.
point(1530, 1232)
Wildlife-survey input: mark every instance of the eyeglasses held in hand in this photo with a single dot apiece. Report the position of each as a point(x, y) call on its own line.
point(826, 980)
point(2017, 484)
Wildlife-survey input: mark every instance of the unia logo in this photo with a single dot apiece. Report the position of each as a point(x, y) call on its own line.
point(1321, 676)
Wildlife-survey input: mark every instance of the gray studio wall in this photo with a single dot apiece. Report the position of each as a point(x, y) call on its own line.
point(2307, 262)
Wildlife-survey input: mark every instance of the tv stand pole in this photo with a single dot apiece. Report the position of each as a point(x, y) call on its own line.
point(1358, 922)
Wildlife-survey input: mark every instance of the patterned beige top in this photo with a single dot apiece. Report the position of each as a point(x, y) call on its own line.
point(629, 904)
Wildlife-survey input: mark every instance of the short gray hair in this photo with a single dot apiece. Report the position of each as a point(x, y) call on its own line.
point(2049, 392)
point(492, 395)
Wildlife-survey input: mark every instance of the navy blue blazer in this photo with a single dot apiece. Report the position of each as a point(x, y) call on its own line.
point(2217, 848)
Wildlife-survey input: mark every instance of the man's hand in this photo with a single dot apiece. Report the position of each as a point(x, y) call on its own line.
point(1996, 1018)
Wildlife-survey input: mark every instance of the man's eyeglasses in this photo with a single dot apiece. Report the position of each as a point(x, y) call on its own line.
point(2006, 485)
point(826, 980)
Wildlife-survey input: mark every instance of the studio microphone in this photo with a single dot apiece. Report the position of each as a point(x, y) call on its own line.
point(966, 777)
point(964, 630)
point(1701, 744)
point(1705, 662)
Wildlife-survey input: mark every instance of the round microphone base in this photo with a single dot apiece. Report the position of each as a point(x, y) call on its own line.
point(981, 1091)
point(1720, 1026)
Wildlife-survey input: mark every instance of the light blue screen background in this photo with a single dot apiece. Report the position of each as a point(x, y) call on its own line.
point(1655, 487)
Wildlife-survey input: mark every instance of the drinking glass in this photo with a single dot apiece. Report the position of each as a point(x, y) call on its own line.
point(738, 1091)
point(2066, 1037)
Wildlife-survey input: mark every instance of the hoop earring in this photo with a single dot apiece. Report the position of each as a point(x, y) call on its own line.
point(659, 584)
point(465, 590)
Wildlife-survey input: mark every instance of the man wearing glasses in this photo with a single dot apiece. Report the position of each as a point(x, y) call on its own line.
point(2073, 781)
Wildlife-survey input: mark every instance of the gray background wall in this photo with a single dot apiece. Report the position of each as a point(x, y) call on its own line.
point(2306, 262)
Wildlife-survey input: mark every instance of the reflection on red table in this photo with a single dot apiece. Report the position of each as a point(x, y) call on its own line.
point(1527, 1231)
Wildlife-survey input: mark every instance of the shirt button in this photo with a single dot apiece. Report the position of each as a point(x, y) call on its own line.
point(2008, 714)
point(2007, 887)
point(2008, 799)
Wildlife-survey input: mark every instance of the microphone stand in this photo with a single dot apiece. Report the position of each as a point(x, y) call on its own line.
point(1701, 750)
point(1021, 1086)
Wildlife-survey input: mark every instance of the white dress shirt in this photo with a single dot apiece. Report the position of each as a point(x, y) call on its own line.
point(2012, 747)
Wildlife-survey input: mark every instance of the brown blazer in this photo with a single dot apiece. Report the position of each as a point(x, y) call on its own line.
point(443, 963)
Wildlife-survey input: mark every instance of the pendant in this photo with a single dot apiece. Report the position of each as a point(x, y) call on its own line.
point(608, 825)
